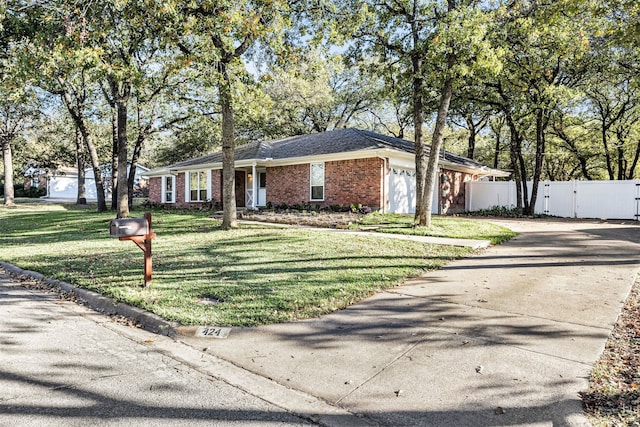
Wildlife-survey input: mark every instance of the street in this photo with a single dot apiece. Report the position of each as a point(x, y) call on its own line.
point(63, 365)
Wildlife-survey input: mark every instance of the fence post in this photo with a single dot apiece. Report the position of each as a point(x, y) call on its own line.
point(637, 215)
point(546, 198)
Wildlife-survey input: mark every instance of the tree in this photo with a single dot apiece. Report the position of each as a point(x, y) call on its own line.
point(474, 118)
point(545, 45)
point(216, 35)
point(55, 54)
point(17, 98)
point(16, 109)
point(318, 92)
point(434, 45)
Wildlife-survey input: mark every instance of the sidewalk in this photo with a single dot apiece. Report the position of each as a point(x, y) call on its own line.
point(471, 243)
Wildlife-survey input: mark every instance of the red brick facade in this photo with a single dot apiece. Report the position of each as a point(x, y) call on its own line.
point(289, 184)
point(346, 182)
point(357, 181)
point(155, 190)
point(216, 186)
point(452, 191)
point(215, 190)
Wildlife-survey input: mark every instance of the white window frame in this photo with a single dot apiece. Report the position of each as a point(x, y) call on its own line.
point(187, 186)
point(164, 189)
point(311, 183)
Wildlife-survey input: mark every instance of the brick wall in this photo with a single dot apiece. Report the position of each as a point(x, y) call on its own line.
point(216, 186)
point(357, 181)
point(288, 184)
point(452, 192)
point(155, 190)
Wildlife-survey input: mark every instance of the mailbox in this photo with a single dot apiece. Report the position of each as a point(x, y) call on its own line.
point(125, 227)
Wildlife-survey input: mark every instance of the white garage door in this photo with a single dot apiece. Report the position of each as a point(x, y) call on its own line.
point(402, 191)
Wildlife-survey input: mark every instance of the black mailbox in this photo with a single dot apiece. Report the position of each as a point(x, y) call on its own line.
point(125, 227)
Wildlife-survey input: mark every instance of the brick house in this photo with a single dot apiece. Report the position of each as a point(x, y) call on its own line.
point(340, 167)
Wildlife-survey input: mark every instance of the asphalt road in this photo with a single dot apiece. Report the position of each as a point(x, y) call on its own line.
point(63, 365)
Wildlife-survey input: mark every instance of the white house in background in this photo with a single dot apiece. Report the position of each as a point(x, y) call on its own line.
point(63, 183)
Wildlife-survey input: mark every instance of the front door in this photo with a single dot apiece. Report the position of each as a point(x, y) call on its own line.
point(262, 189)
point(240, 189)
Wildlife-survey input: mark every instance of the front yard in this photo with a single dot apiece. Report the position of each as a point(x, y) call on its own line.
point(253, 275)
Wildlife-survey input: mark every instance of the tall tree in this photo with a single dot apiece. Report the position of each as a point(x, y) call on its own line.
point(545, 44)
point(216, 35)
point(17, 97)
point(434, 44)
point(16, 110)
point(55, 52)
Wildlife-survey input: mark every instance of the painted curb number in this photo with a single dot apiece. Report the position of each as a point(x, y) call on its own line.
point(212, 332)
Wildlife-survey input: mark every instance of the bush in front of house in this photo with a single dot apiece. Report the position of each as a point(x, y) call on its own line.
point(30, 192)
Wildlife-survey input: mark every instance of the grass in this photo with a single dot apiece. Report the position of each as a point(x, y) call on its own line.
point(442, 226)
point(613, 397)
point(204, 275)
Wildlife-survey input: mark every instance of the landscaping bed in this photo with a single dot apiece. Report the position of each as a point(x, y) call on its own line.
point(613, 397)
point(310, 219)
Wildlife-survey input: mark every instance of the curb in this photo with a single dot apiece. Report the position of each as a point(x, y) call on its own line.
point(100, 303)
point(299, 403)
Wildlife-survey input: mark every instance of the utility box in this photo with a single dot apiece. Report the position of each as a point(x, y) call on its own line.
point(126, 227)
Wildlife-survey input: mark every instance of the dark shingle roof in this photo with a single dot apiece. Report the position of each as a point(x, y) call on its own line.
point(318, 144)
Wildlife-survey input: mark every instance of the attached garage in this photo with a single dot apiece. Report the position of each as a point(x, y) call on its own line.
point(402, 191)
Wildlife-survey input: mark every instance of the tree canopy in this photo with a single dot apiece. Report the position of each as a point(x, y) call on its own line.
point(546, 90)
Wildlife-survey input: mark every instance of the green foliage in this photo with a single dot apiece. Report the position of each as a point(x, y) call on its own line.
point(441, 226)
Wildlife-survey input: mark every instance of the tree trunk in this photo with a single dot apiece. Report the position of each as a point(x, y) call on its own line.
point(137, 150)
point(634, 162)
point(114, 156)
point(420, 217)
point(497, 130)
point(523, 174)
point(436, 142)
point(607, 154)
point(9, 194)
point(91, 148)
point(540, 149)
point(514, 137)
point(229, 216)
point(81, 199)
point(431, 175)
point(471, 141)
point(123, 153)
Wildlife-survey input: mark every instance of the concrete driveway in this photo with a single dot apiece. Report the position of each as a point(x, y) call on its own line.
point(507, 337)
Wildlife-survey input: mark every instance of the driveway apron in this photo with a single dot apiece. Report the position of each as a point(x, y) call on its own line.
point(506, 337)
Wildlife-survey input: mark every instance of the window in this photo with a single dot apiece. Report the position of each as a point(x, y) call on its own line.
point(168, 189)
point(262, 182)
point(197, 186)
point(317, 181)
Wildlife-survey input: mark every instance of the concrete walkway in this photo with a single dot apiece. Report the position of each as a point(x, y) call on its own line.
point(471, 243)
point(507, 337)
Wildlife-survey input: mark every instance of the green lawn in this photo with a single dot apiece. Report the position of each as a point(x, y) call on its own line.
point(442, 226)
point(203, 275)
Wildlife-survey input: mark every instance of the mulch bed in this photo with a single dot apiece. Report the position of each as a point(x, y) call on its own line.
point(613, 397)
point(316, 219)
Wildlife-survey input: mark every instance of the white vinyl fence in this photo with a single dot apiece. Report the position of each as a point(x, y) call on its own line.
point(573, 199)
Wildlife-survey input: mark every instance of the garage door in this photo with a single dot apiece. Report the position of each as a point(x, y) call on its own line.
point(402, 191)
